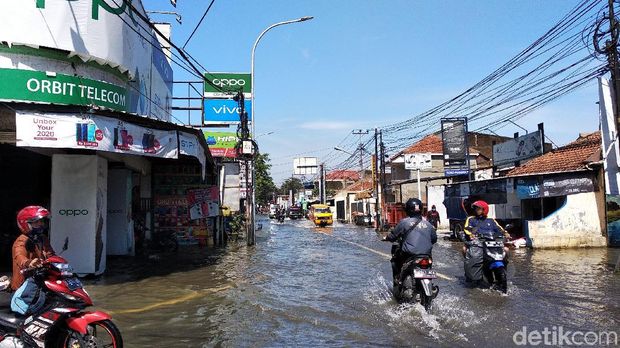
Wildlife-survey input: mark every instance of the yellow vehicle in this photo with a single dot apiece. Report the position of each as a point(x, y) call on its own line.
point(321, 215)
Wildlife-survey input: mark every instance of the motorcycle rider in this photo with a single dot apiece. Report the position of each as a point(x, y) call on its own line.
point(481, 223)
point(32, 246)
point(416, 236)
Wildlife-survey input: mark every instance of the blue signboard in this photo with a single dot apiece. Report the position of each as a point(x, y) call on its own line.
point(528, 188)
point(456, 172)
point(224, 111)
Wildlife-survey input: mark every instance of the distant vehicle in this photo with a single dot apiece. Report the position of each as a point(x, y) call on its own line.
point(272, 211)
point(321, 215)
point(295, 213)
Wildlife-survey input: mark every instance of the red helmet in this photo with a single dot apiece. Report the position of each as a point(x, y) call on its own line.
point(482, 204)
point(30, 214)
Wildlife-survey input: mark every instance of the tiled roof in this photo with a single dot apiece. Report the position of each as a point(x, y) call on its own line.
point(430, 144)
point(360, 186)
point(572, 157)
point(342, 175)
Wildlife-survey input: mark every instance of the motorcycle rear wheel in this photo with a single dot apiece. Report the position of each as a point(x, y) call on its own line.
point(501, 279)
point(100, 334)
point(426, 301)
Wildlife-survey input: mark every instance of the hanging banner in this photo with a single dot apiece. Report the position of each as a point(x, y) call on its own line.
point(455, 150)
point(518, 149)
point(222, 144)
point(94, 133)
point(190, 146)
point(555, 186)
point(225, 111)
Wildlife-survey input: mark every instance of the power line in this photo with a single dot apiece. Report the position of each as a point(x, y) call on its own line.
point(198, 25)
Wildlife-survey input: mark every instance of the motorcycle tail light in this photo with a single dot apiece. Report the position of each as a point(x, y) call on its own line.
point(424, 262)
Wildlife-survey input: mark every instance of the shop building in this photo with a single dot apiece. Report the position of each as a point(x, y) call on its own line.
point(86, 130)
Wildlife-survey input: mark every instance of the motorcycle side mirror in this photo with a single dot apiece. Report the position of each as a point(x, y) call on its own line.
point(510, 226)
point(66, 245)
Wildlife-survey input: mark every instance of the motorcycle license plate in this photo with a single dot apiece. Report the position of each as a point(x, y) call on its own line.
point(424, 273)
point(73, 283)
point(494, 244)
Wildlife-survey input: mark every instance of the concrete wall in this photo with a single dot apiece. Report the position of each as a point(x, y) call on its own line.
point(576, 224)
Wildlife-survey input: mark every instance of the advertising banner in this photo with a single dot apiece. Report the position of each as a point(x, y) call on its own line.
point(104, 31)
point(79, 210)
point(225, 111)
point(305, 166)
point(518, 149)
point(223, 85)
point(222, 144)
point(415, 161)
point(38, 86)
point(560, 185)
point(455, 150)
point(94, 133)
point(190, 146)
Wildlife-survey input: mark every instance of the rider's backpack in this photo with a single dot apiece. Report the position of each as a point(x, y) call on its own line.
point(28, 298)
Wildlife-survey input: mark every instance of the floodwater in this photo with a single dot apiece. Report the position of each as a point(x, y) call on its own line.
point(304, 286)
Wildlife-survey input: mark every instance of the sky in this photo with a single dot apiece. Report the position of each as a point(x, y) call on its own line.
point(365, 64)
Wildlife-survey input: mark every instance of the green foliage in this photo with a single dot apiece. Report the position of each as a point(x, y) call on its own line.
point(265, 188)
point(291, 184)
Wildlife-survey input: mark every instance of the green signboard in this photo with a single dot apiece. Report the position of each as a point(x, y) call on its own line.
point(222, 144)
point(53, 88)
point(221, 84)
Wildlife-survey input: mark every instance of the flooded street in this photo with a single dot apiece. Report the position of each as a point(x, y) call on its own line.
point(303, 286)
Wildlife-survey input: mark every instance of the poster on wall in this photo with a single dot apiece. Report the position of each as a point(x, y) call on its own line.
point(79, 210)
point(94, 133)
point(613, 219)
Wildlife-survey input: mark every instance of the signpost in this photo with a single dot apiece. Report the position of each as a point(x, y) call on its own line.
point(455, 148)
point(418, 161)
point(305, 166)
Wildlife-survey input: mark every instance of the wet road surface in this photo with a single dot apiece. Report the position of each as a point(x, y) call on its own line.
point(304, 286)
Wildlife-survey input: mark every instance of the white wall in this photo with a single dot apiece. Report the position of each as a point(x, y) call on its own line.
point(436, 195)
point(120, 225)
point(576, 224)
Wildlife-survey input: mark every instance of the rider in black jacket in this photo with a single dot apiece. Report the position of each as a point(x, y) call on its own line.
point(416, 236)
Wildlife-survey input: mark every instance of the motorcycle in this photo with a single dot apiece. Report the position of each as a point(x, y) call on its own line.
point(62, 321)
point(415, 281)
point(280, 217)
point(486, 257)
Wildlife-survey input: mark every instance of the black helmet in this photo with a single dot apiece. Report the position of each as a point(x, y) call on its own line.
point(413, 207)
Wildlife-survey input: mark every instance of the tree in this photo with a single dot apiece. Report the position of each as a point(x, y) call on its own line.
point(265, 188)
point(291, 184)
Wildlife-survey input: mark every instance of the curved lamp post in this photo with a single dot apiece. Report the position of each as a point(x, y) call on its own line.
point(252, 240)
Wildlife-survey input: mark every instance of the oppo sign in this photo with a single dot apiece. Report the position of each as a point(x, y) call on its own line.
point(217, 83)
point(228, 82)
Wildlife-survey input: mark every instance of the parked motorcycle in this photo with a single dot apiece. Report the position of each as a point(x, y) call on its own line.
point(62, 321)
point(486, 257)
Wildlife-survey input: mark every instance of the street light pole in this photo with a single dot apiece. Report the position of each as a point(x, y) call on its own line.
point(252, 239)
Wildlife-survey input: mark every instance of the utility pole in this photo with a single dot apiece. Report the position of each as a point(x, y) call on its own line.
point(377, 180)
point(361, 132)
point(322, 188)
point(382, 173)
point(612, 56)
point(244, 132)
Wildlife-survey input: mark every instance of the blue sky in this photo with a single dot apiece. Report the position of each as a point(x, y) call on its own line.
point(363, 64)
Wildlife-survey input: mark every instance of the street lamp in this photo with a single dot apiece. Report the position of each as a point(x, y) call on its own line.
point(302, 19)
point(343, 150)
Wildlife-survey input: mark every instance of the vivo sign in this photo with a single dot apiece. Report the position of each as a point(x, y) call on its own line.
point(225, 111)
